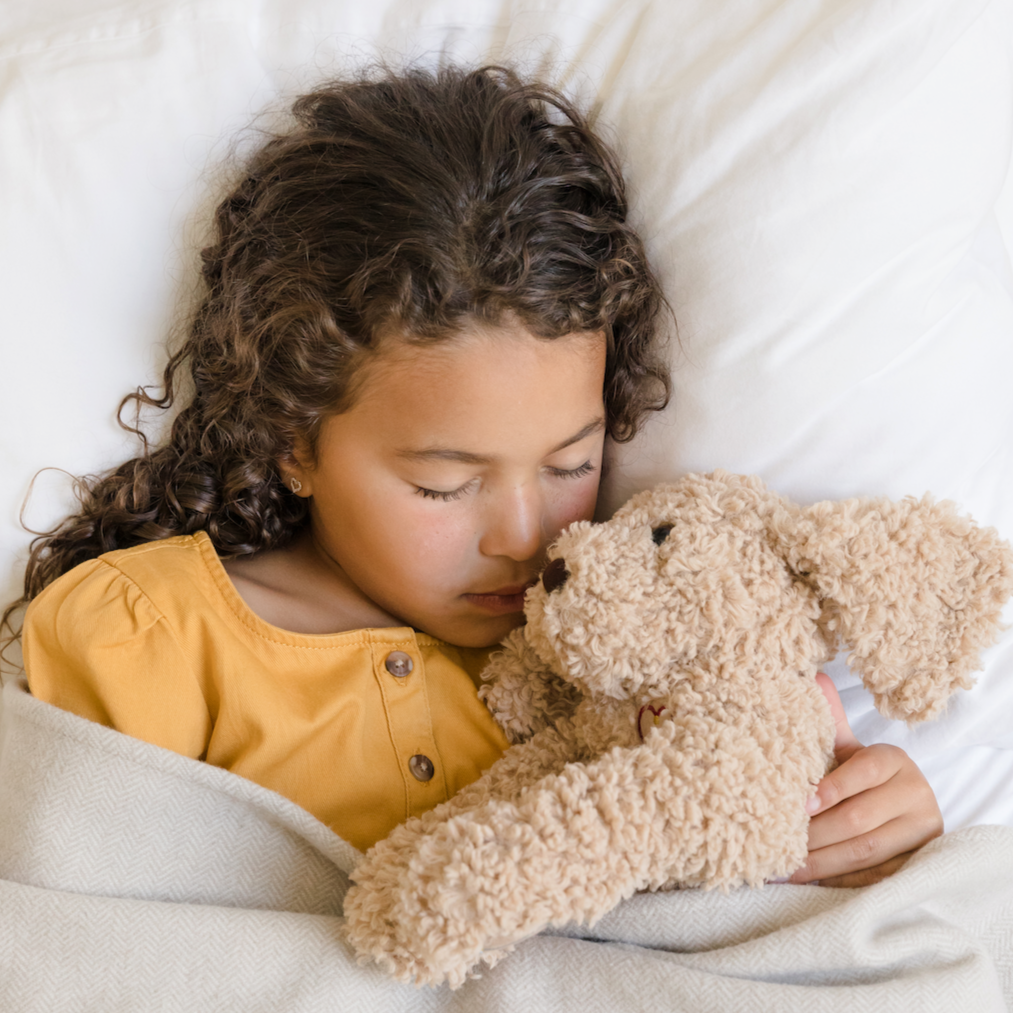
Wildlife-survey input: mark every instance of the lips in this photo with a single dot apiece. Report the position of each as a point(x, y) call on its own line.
point(502, 600)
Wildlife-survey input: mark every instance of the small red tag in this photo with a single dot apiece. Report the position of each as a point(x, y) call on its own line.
point(648, 717)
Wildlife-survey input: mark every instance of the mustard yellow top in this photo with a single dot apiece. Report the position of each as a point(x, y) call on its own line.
point(156, 642)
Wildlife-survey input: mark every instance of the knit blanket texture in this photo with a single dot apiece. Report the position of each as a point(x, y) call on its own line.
point(134, 879)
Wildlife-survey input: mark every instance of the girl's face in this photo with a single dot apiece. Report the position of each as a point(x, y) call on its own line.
point(438, 492)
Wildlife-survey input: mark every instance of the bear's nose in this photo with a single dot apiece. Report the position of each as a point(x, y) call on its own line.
point(555, 575)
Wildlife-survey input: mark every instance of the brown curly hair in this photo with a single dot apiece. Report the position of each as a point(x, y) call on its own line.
point(414, 202)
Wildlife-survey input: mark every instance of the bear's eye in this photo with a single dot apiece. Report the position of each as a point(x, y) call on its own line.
point(659, 534)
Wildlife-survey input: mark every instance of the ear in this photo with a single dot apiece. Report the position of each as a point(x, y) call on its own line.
point(915, 589)
point(523, 695)
point(296, 468)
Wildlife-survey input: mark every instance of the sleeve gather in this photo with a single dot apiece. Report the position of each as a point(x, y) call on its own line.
point(96, 645)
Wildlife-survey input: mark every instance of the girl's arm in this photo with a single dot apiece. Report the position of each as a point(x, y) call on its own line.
point(870, 814)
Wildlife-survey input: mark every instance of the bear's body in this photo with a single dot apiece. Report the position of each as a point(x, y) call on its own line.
point(667, 724)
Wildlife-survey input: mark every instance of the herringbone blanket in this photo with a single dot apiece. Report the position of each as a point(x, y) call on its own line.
point(133, 879)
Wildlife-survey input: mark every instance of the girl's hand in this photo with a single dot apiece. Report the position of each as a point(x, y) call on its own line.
point(870, 814)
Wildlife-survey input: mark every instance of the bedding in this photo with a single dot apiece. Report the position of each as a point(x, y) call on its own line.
point(824, 188)
point(132, 878)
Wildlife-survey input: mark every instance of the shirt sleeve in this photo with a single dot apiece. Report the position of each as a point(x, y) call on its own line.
point(95, 644)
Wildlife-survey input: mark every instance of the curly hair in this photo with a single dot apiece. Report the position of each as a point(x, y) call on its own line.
point(414, 203)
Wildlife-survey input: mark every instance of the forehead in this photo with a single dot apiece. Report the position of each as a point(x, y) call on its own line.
point(482, 389)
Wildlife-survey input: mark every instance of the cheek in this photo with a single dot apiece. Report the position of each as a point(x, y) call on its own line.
point(432, 543)
point(569, 505)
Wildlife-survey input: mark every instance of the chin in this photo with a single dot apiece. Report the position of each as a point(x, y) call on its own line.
point(477, 633)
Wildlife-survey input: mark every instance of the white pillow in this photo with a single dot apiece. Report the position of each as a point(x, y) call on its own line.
point(817, 181)
point(832, 254)
point(825, 223)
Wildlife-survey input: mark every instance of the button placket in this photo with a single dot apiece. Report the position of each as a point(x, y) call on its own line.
point(400, 672)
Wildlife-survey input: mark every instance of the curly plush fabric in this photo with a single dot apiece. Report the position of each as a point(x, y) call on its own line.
point(667, 722)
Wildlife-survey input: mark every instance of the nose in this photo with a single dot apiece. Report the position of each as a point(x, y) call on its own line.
point(555, 575)
point(514, 528)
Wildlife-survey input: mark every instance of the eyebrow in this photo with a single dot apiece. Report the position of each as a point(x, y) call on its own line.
point(466, 457)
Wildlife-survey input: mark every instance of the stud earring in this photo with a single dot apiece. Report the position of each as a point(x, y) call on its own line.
point(295, 485)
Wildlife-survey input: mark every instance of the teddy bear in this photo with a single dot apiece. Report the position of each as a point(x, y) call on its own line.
point(666, 724)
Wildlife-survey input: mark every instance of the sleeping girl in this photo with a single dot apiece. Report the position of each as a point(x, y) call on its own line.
point(424, 313)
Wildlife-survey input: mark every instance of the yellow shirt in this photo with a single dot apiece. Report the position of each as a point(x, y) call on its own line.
point(156, 642)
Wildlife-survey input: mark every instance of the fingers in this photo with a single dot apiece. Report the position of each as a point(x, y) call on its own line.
point(867, 858)
point(845, 788)
point(873, 811)
point(870, 814)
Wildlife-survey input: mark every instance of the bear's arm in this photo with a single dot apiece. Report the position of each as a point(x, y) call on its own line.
point(437, 898)
point(524, 694)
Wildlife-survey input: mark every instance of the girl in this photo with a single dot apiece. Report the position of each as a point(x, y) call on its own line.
point(425, 311)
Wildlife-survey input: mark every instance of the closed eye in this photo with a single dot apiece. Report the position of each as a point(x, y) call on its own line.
point(585, 469)
point(445, 497)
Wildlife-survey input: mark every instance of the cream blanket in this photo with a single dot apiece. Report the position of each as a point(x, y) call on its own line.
point(134, 879)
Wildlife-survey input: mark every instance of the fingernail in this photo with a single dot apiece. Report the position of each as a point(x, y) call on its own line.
point(812, 804)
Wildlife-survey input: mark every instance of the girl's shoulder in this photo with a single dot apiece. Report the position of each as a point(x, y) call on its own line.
point(183, 586)
point(110, 641)
point(180, 557)
point(151, 577)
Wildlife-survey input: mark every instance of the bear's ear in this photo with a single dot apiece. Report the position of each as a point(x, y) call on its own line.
point(912, 587)
point(523, 695)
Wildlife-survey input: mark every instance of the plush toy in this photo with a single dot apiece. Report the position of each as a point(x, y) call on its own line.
point(668, 728)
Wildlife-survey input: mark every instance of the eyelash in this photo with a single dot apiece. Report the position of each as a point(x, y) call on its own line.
point(446, 497)
point(585, 469)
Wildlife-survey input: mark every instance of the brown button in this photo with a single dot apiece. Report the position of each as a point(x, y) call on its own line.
point(399, 665)
point(421, 767)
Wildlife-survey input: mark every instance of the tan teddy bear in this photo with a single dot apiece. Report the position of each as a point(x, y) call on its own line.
point(667, 722)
